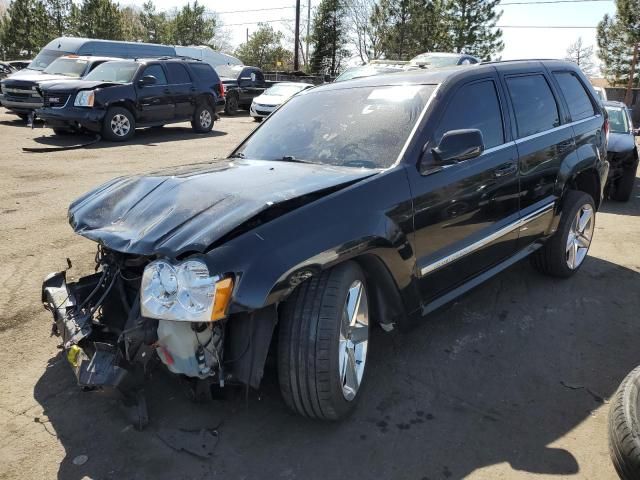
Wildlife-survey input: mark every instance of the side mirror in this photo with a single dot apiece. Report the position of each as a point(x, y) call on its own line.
point(458, 145)
point(147, 81)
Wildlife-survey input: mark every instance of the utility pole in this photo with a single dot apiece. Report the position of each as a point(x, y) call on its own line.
point(306, 56)
point(247, 34)
point(296, 57)
point(628, 96)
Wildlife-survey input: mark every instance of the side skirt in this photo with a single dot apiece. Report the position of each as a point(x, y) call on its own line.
point(477, 280)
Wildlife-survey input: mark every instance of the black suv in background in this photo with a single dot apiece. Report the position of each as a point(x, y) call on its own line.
point(242, 84)
point(119, 96)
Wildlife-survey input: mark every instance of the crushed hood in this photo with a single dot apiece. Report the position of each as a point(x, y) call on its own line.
point(72, 85)
point(188, 208)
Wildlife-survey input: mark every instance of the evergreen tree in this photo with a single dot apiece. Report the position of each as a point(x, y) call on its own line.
point(59, 12)
point(329, 37)
point(472, 26)
point(616, 37)
point(100, 19)
point(192, 26)
point(25, 29)
point(156, 26)
point(264, 49)
point(132, 28)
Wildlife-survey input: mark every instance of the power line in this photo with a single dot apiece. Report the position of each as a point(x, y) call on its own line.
point(552, 2)
point(255, 23)
point(265, 9)
point(543, 26)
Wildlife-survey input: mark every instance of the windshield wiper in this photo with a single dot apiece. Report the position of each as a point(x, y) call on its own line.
point(237, 155)
point(291, 158)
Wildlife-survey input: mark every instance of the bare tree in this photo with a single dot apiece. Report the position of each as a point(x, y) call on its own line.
point(581, 55)
point(363, 35)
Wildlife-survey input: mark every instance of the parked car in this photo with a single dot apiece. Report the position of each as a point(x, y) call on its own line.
point(119, 96)
point(601, 92)
point(622, 152)
point(440, 59)
point(20, 92)
point(368, 71)
point(415, 188)
point(242, 84)
point(265, 104)
point(6, 69)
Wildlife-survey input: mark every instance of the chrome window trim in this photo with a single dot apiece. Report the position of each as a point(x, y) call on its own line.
point(555, 129)
point(486, 240)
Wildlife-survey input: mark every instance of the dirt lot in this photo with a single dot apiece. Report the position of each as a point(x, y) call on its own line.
point(510, 382)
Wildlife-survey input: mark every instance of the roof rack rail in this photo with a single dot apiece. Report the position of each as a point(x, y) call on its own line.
point(520, 60)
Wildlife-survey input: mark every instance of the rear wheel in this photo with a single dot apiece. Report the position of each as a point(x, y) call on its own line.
point(231, 107)
point(624, 430)
point(118, 124)
point(322, 348)
point(565, 251)
point(202, 118)
point(624, 185)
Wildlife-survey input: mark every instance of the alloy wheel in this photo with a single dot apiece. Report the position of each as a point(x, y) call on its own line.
point(205, 118)
point(354, 338)
point(580, 235)
point(120, 125)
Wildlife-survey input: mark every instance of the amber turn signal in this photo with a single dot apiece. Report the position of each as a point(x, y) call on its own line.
point(224, 288)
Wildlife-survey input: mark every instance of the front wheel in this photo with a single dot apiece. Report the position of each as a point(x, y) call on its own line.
point(565, 251)
point(118, 124)
point(624, 430)
point(322, 348)
point(202, 119)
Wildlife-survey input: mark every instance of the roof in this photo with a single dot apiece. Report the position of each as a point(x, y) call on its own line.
point(439, 75)
point(71, 43)
point(91, 58)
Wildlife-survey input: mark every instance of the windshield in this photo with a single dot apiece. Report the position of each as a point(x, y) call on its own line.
point(436, 60)
point(284, 90)
point(69, 67)
point(116, 72)
point(229, 71)
point(365, 71)
point(366, 126)
point(44, 58)
point(618, 121)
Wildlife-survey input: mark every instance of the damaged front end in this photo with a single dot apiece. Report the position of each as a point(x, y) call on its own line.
point(116, 323)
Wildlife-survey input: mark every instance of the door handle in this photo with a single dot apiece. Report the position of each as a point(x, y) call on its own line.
point(505, 170)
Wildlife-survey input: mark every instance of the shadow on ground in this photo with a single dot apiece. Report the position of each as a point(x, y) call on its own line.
point(495, 377)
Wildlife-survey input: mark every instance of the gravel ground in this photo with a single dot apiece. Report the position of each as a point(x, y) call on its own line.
point(512, 381)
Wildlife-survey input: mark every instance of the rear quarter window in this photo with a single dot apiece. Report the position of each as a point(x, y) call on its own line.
point(578, 100)
point(204, 72)
point(534, 105)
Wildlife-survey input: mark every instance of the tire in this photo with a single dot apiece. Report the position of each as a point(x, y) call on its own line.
point(257, 119)
point(314, 341)
point(624, 185)
point(118, 125)
point(554, 258)
point(203, 118)
point(624, 430)
point(231, 107)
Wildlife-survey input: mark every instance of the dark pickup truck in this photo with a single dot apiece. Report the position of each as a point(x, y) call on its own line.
point(119, 96)
point(318, 228)
point(242, 84)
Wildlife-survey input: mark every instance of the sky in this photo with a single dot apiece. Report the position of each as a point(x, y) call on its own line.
point(519, 42)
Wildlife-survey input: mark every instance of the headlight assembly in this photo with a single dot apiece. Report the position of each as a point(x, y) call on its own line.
point(184, 292)
point(84, 98)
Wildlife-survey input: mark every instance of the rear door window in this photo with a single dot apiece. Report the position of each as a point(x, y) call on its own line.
point(156, 71)
point(204, 72)
point(534, 104)
point(177, 74)
point(475, 106)
point(580, 106)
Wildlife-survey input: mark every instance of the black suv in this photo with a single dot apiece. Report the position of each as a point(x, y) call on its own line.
point(119, 96)
point(416, 188)
point(242, 84)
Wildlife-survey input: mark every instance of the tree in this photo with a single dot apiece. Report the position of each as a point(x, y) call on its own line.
point(59, 12)
point(264, 49)
point(100, 19)
point(616, 38)
point(156, 26)
point(25, 29)
point(364, 36)
point(132, 28)
point(581, 55)
point(192, 26)
point(329, 37)
point(472, 25)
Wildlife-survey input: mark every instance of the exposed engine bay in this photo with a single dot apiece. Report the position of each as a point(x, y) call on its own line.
point(108, 335)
